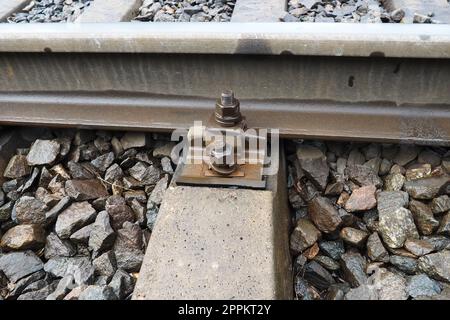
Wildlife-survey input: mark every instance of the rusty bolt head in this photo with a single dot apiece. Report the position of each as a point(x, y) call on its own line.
point(227, 111)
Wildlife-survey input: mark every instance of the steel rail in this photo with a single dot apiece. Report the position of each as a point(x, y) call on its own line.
point(337, 39)
point(303, 79)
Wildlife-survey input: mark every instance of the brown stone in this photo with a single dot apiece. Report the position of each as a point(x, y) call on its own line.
point(30, 210)
point(303, 236)
point(17, 167)
point(23, 237)
point(375, 249)
point(354, 236)
point(418, 247)
point(423, 217)
point(324, 215)
point(82, 190)
point(361, 199)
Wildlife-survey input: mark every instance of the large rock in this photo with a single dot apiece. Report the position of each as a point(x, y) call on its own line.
point(17, 265)
point(55, 247)
point(79, 267)
point(388, 201)
point(318, 276)
point(427, 188)
point(23, 237)
point(81, 190)
point(363, 175)
point(406, 264)
point(43, 152)
point(324, 215)
point(390, 286)
point(133, 140)
point(361, 199)
point(406, 154)
point(436, 265)
point(444, 227)
point(440, 204)
point(104, 161)
point(119, 211)
point(157, 195)
point(314, 164)
point(102, 236)
point(375, 249)
point(396, 226)
point(30, 210)
point(354, 237)
point(17, 167)
point(423, 217)
point(144, 173)
point(105, 265)
point(333, 249)
point(95, 292)
point(128, 247)
point(122, 284)
point(419, 247)
point(421, 285)
point(303, 236)
point(76, 216)
point(353, 266)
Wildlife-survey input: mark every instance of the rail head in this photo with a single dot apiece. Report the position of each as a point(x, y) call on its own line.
point(314, 39)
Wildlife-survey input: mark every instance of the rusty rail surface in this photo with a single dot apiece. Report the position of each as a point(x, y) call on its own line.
point(374, 82)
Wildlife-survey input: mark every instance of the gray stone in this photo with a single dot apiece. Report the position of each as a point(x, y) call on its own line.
point(395, 227)
point(133, 140)
point(80, 171)
point(55, 247)
point(81, 190)
point(102, 236)
point(113, 173)
point(327, 262)
point(163, 149)
point(105, 265)
point(355, 157)
point(405, 264)
point(318, 276)
point(82, 236)
point(20, 286)
point(128, 247)
point(363, 292)
point(40, 294)
point(394, 182)
point(52, 214)
point(30, 210)
point(17, 265)
point(436, 265)
point(76, 216)
point(423, 217)
point(426, 188)
point(5, 211)
point(419, 247)
point(390, 286)
point(334, 249)
point(389, 201)
point(64, 286)
point(354, 237)
point(303, 236)
point(406, 154)
point(30, 182)
point(157, 194)
point(324, 214)
point(429, 156)
point(118, 211)
point(95, 292)
point(422, 285)
point(385, 166)
point(444, 227)
point(353, 266)
point(104, 161)
point(144, 173)
point(43, 152)
point(166, 165)
point(314, 164)
point(440, 204)
point(23, 237)
point(79, 267)
point(122, 284)
point(375, 249)
point(17, 167)
point(363, 175)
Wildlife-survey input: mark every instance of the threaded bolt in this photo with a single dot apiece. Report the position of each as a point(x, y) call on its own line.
point(227, 98)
